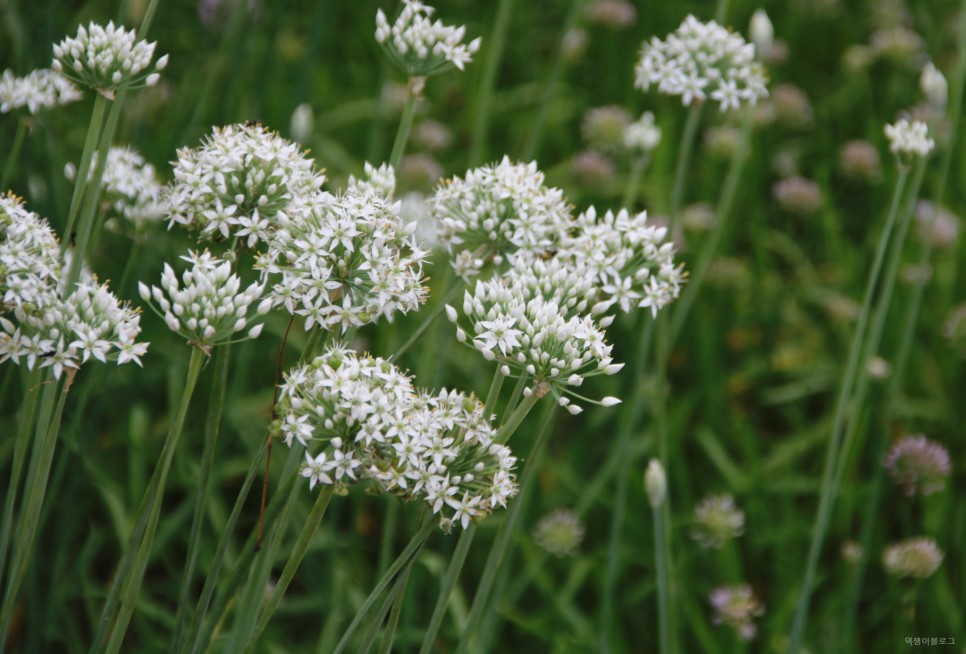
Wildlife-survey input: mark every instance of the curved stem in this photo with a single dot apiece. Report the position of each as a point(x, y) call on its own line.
point(831, 459)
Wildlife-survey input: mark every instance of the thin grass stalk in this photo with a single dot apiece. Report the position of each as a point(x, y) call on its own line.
point(613, 547)
point(119, 607)
point(14, 153)
point(685, 149)
point(394, 596)
point(250, 602)
point(535, 139)
point(25, 425)
point(663, 575)
point(416, 544)
point(430, 319)
point(827, 498)
point(212, 426)
point(634, 180)
point(389, 635)
point(446, 588)
point(92, 194)
point(494, 53)
point(207, 615)
point(295, 559)
point(681, 308)
point(414, 91)
point(94, 129)
point(505, 533)
point(35, 488)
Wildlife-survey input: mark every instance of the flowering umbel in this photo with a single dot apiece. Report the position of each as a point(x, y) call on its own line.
point(239, 183)
point(909, 140)
point(918, 465)
point(41, 89)
point(737, 607)
point(107, 58)
point(209, 306)
point(700, 61)
point(717, 520)
point(916, 557)
point(421, 47)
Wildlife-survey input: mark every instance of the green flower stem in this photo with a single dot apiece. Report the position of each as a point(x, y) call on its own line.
point(25, 425)
point(505, 533)
point(212, 425)
point(513, 422)
point(663, 590)
point(535, 138)
point(389, 637)
point(295, 559)
point(430, 318)
point(14, 153)
point(410, 552)
point(827, 491)
point(685, 150)
point(94, 129)
point(484, 101)
point(516, 394)
point(392, 599)
point(250, 602)
point(202, 628)
point(494, 393)
point(91, 196)
point(681, 308)
point(446, 589)
point(634, 180)
point(414, 89)
point(35, 488)
point(120, 604)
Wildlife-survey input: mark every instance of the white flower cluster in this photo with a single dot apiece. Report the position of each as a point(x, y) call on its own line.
point(420, 46)
point(58, 329)
point(702, 60)
point(210, 307)
point(345, 261)
point(496, 210)
point(642, 135)
point(629, 260)
point(239, 183)
point(379, 181)
point(41, 89)
point(360, 418)
point(107, 58)
point(909, 139)
point(510, 320)
point(130, 184)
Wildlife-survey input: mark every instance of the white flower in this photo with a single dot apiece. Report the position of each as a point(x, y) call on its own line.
point(379, 181)
point(496, 210)
point(908, 140)
point(209, 307)
point(239, 183)
point(762, 32)
point(642, 135)
point(934, 87)
point(30, 262)
point(421, 47)
point(107, 58)
point(130, 185)
point(345, 261)
point(737, 607)
point(41, 89)
point(699, 60)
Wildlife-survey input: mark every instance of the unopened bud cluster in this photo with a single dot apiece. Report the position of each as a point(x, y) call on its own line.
point(420, 46)
point(208, 307)
point(107, 58)
point(908, 140)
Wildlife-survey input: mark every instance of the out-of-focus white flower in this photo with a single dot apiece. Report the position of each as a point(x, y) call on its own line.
point(737, 607)
point(208, 307)
point(612, 14)
point(421, 47)
point(717, 520)
point(603, 128)
point(302, 122)
point(934, 87)
point(559, 532)
point(915, 557)
point(918, 464)
point(762, 33)
point(239, 183)
point(130, 185)
point(41, 89)
point(107, 58)
point(642, 135)
point(907, 140)
point(700, 61)
point(495, 210)
point(345, 261)
point(655, 483)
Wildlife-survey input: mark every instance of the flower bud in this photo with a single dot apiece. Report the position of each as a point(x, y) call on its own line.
point(934, 87)
point(762, 32)
point(302, 123)
point(655, 483)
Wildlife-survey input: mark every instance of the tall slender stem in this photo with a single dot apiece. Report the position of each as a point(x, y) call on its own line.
point(683, 162)
point(212, 425)
point(831, 458)
point(14, 154)
point(494, 52)
point(119, 607)
point(94, 129)
point(446, 588)
point(634, 180)
point(414, 91)
point(663, 594)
